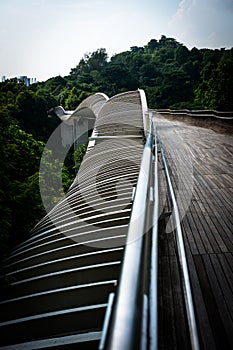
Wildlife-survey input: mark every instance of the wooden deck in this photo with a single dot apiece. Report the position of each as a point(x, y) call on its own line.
point(201, 163)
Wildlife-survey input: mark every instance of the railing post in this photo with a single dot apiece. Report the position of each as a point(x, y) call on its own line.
point(153, 328)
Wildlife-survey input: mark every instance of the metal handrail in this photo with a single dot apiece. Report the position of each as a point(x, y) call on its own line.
point(183, 261)
point(106, 321)
point(123, 326)
point(153, 294)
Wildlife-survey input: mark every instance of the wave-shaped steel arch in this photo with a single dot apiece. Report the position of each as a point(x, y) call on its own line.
point(88, 108)
point(61, 277)
point(76, 124)
point(99, 112)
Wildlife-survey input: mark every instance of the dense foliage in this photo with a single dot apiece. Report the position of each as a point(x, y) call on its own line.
point(19, 191)
point(24, 128)
point(171, 75)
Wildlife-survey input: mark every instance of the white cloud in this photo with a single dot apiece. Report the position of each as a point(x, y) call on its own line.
point(185, 7)
point(203, 23)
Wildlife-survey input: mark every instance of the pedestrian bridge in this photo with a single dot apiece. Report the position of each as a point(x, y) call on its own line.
point(90, 275)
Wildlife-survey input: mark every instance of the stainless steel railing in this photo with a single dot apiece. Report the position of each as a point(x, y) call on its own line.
point(132, 322)
point(127, 311)
point(153, 291)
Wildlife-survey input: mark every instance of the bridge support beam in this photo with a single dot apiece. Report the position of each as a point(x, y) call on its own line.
point(80, 131)
point(76, 133)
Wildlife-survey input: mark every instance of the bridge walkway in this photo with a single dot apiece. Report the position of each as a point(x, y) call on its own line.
point(201, 163)
point(60, 279)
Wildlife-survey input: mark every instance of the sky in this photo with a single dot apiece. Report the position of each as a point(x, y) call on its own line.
point(46, 38)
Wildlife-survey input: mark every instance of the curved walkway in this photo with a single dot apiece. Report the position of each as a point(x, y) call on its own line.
point(202, 166)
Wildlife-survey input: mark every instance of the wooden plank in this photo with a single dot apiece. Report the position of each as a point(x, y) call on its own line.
point(215, 322)
point(210, 231)
point(224, 316)
point(169, 332)
point(191, 224)
point(182, 334)
point(161, 330)
point(189, 237)
point(206, 337)
point(229, 258)
point(225, 281)
point(207, 234)
point(217, 220)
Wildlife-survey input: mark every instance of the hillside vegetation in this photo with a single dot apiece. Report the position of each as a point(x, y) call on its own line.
point(172, 76)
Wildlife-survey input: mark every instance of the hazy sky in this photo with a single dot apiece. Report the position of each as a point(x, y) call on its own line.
point(45, 38)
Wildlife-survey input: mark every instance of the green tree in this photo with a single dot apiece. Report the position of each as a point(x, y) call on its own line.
point(216, 91)
point(20, 156)
point(224, 83)
point(97, 59)
point(175, 88)
point(78, 155)
point(118, 78)
point(152, 46)
point(55, 85)
point(182, 54)
point(149, 74)
point(75, 97)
